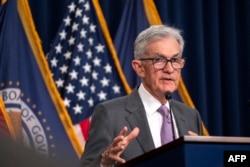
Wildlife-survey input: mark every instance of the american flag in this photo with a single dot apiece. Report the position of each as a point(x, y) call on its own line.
point(82, 66)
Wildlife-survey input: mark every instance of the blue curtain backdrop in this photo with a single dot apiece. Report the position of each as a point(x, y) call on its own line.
point(217, 35)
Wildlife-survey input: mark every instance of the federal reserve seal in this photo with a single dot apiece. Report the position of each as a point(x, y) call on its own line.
point(23, 112)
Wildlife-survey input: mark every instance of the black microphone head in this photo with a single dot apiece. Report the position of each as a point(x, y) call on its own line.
point(168, 95)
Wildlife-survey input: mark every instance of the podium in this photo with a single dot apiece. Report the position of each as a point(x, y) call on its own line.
point(191, 151)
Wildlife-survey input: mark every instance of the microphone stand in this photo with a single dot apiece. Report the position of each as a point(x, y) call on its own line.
point(168, 96)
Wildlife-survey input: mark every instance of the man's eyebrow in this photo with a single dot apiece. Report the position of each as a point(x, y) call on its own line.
point(177, 55)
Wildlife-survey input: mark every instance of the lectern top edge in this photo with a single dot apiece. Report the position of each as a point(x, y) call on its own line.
point(216, 139)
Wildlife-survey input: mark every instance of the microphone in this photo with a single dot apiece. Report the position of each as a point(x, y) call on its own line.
point(168, 96)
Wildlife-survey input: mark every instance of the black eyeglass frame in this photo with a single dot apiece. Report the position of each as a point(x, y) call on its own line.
point(172, 60)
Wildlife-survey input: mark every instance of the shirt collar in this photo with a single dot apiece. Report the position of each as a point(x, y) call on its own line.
point(151, 104)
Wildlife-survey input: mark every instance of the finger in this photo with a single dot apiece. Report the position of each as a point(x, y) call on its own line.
point(133, 134)
point(120, 137)
point(117, 148)
point(191, 133)
point(119, 145)
point(117, 159)
point(121, 142)
point(111, 156)
point(124, 131)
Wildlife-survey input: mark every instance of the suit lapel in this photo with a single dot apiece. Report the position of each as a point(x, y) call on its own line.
point(137, 118)
point(179, 118)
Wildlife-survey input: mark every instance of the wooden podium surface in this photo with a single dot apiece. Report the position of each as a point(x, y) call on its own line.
point(191, 151)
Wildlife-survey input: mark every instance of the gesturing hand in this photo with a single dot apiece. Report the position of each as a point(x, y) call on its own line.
point(112, 154)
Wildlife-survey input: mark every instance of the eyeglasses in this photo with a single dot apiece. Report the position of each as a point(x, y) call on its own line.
point(161, 62)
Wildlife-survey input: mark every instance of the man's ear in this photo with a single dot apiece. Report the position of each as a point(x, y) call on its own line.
point(138, 67)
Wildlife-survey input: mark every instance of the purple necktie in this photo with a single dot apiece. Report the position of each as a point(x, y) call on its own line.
point(166, 129)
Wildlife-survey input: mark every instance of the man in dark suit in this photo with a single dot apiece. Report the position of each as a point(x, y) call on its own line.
point(124, 128)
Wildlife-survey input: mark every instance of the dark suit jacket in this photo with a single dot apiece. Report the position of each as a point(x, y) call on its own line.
point(110, 117)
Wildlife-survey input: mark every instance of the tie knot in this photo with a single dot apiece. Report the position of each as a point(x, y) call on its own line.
point(163, 110)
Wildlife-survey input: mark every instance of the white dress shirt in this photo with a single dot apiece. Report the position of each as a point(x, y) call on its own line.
point(151, 105)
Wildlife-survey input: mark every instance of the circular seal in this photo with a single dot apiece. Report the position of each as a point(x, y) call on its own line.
point(33, 133)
